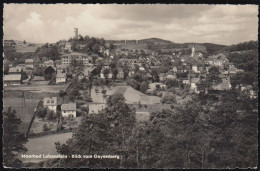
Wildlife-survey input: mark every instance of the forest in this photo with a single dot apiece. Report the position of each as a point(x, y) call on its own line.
point(198, 134)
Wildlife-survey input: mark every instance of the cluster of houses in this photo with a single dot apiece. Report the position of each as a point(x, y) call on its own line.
point(14, 75)
point(67, 110)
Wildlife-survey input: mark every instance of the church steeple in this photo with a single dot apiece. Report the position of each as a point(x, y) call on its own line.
point(193, 51)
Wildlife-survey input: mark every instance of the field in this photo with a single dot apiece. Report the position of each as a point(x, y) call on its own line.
point(134, 46)
point(44, 145)
point(38, 88)
point(25, 48)
point(24, 113)
point(131, 95)
point(15, 100)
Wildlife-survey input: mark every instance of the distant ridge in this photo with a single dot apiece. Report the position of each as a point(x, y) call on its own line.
point(152, 40)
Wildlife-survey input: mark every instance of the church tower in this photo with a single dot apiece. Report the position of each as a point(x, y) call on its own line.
point(193, 51)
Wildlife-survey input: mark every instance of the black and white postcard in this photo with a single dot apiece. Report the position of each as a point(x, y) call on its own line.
point(130, 86)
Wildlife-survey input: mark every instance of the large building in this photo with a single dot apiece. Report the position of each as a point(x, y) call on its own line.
point(11, 80)
point(29, 63)
point(50, 103)
point(67, 58)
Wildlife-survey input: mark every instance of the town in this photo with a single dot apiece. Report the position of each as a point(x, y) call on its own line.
point(135, 99)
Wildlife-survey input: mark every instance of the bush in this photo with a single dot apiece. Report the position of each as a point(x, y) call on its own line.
point(169, 99)
point(60, 127)
point(50, 115)
point(45, 127)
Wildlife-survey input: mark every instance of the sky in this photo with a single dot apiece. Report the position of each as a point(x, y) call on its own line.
point(220, 24)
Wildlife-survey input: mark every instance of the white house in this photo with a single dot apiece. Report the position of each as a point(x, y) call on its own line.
point(50, 103)
point(61, 77)
point(102, 75)
point(195, 68)
point(11, 80)
point(69, 110)
point(29, 63)
point(193, 84)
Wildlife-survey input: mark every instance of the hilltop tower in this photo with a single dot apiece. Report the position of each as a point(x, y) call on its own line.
point(76, 33)
point(193, 51)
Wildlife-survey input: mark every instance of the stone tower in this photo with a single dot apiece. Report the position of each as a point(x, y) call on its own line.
point(193, 51)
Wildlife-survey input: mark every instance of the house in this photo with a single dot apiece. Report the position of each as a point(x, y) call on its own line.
point(174, 70)
point(67, 58)
point(15, 71)
point(185, 81)
point(120, 74)
point(162, 77)
point(195, 68)
point(67, 46)
point(29, 63)
point(148, 75)
point(49, 63)
point(171, 75)
point(102, 75)
point(69, 110)
point(95, 108)
point(61, 78)
point(85, 73)
point(224, 85)
point(50, 103)
point(61, 68)
point(11, 80)
point(193, 84)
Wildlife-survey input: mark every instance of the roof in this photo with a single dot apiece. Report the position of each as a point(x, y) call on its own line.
point(195, 80)
point(60, 75)
point(50, 101)
point(28, 60)
point(16, 77)
point(162, 74)
point(14, 69)
point(224, 85)
point(69, 106)
point(61, 66)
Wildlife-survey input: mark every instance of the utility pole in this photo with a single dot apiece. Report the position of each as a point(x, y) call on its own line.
point(24, 100)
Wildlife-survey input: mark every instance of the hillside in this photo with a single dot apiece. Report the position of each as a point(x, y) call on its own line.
point(155, 40)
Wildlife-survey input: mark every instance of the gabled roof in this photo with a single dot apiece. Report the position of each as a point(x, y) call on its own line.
point(60, 75)
point(69, 106)
point(195, 80)
point(16, 77)
point(50, 101)
point(28, 60)
point(14, 69)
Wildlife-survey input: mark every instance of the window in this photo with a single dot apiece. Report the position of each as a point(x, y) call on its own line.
point(48, 101)
point(52, 101)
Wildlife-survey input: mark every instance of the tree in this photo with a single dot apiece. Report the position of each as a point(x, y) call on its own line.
point(49, 73)
point(6, 68)
point(50, 115)
point(94, 58)
point(13, 140)
point(76, 66)
point(114, 73)
point(42, 112)
point(95, 48)
point(169, 99)
point(45, 127)
point(103, 133)
point(62, 93)
point(106, 72)
point(143, 87)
